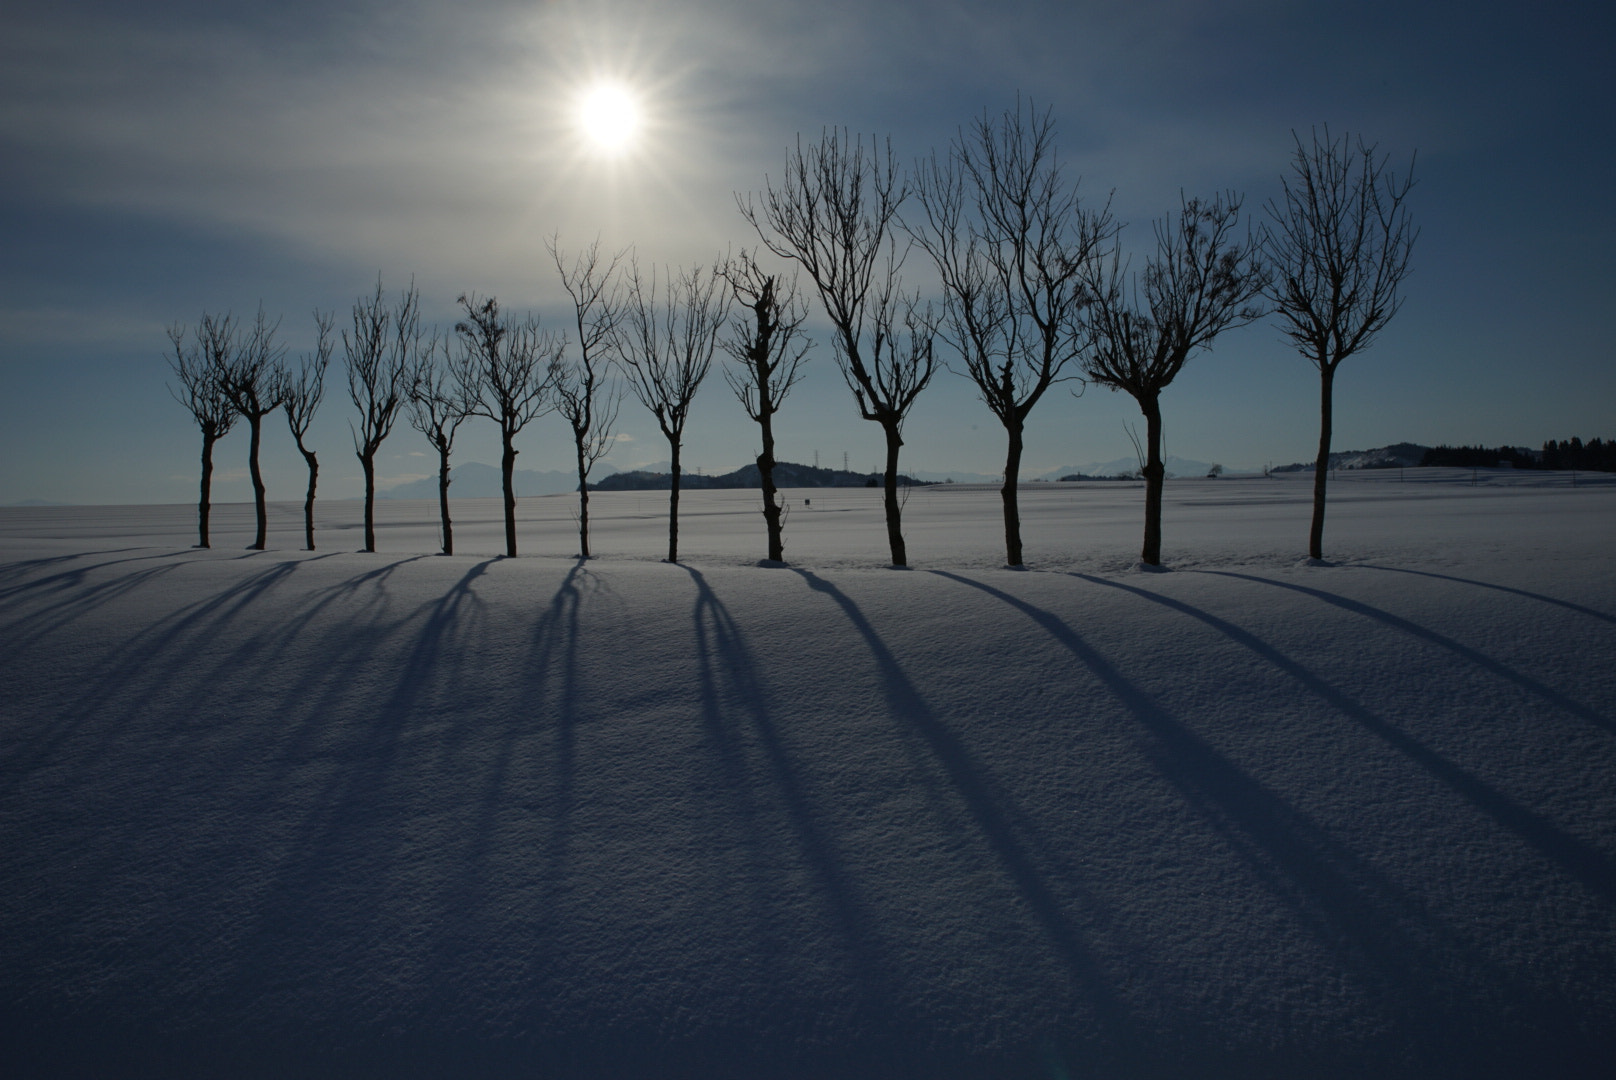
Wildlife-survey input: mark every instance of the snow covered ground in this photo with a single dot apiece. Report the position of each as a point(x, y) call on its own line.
point(338, 814)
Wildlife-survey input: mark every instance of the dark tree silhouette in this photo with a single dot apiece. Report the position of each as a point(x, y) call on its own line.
point(251, 379)
point(437, 406)
point(582, 396)
point(301, 395)
point(1339, 246)
point(378, 353)
point(665, 350)
point(833, 211)
point(199, 392)
point(505, 370)
point(1012, 243)
point(1201, 281)
point(767, 347)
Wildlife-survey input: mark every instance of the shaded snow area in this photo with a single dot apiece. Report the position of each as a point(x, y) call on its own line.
point(402, 815)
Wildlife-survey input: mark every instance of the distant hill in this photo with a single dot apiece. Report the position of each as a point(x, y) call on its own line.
point(1397, 455)
point(1176, 466)
point(786, 475)
point(474, 480)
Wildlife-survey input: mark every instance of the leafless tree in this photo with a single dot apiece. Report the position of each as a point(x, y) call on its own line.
point(768, 350)
point(1201, 281)
point(833, 211)
point(301, 395)
point(583, 396)
point(1339, 246)
point(378, 352)
point(251, 380)
point(201, 395)
point(665, 350)
point(437, 406)
point(506, 371)
point(1012, 243)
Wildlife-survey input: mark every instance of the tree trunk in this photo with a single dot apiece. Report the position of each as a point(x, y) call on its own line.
point(367, 461)
point(673, 504)
point(1155, 475)
point(308, 501)
point(254, 423)
point(772, 515)
point(583, 504)
point(507, 468)
point(443, 500)
point(1321, 467)
point(900, 556)
point(204, 506)
point(1012, 512)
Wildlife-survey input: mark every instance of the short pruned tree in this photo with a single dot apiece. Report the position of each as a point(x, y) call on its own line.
point(199, 392)
point(301, 395)
point(768, 350)
point(378, 352)
point(1012, 243)
point(583, 396)
point(1339, 246)
point(506, 369)
point(834, 211)
point(665, 350)
point(251, 379)
point(437, 406)
point(1201, 281)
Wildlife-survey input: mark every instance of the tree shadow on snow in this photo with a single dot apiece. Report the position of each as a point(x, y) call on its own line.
point(1450, 1010)
point(1025, 859)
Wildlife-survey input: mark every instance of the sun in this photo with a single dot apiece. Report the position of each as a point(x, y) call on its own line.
point(609, 116)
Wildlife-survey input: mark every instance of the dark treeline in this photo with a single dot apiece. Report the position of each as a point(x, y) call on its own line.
point(1596, 455)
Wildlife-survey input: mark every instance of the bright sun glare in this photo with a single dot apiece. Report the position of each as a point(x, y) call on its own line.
point(609, 117)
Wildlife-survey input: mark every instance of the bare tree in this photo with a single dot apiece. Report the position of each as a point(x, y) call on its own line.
point(1201, 281)
point(251, 380)
point(1339, 246)
point(301, 394)
point(200, 393)
point(666, 349)
point(833, 212)
point(378, 353)
point(437, 406)
point(1012, 243)
point(582, 395)
point(767, 346)
point(506, 370)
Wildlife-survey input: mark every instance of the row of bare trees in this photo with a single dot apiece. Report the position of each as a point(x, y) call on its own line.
point(1036, 289)
point(660, 334)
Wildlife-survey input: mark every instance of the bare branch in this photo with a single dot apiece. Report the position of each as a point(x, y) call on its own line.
point(1201, 281)
point(506, 370)
point(665, 351)
point(378, 351)
point(1340, 247)
point(834, 212)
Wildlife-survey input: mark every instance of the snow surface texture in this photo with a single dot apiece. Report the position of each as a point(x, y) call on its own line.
point(337, 814)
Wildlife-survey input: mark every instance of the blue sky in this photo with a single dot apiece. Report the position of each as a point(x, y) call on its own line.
point(166, 159)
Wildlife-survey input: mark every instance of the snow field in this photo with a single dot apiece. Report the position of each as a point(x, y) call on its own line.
point(334, 813)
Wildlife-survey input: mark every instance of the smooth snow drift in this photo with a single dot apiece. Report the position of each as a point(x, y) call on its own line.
point(336, 814)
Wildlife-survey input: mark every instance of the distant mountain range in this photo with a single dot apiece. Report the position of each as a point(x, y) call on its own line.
point(786, 474)
point(474, 480)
